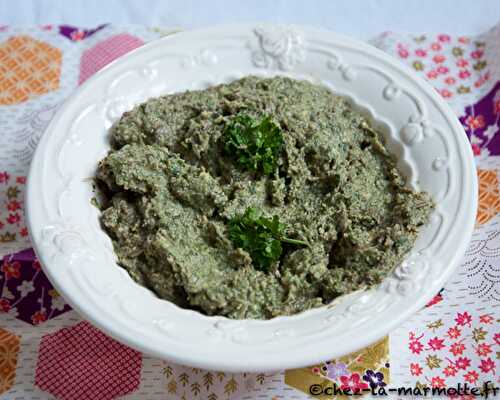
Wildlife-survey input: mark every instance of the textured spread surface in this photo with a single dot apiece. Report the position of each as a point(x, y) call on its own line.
point(173, 189)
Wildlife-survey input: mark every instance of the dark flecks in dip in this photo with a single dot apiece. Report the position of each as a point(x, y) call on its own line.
point(259, 198)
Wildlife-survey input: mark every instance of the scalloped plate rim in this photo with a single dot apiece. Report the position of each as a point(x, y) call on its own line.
point(313, 352)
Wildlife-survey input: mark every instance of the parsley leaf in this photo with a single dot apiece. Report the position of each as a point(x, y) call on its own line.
point(261, 237)
point(255, 146)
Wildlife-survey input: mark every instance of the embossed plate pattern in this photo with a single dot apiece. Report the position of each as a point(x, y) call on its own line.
point(77, 255)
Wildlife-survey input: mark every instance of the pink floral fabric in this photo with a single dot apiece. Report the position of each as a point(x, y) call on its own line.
point(12, 224)
point(453, 65)
point(461, 349)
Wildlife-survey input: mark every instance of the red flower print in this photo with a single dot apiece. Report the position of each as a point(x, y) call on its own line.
point(483, 349)
point(436, 299)
point(480, 81)
point(450, 370)
point(11, 270)
point(416, 347)
point(444, 38)
point(315, 370)
point(421, 53)
point(77, 35)
point(463, 319)
point(436, 344)
point(471, 377)
point(415, 369)
point(412, 336)
point(436, 46)
point(450, 80)
point(476, 149)
point(432, 74)
point(403, 53)
point(21, 180)
point(454, 332)
point(463, 74)
point(13, 205)
point(496, 108)
point(487, 365)
point(457, 348)
point(14, 218)
point(4, 177)
point(496, 338)
point(464, 39)
point(1, 224)
point(4, 305)
point(24, 232)
point(486, 319)
point(439, 58)
point(438, 382)
point(477, 54)
point(445, 93)
point(442, 70)
point(353, 382)
point(475, 123)
point(462, 363)
point(36, 265)
point(462, 63)
point(39, 317)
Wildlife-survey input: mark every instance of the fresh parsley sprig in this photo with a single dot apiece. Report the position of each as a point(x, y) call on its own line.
point(261, 237)
point(255, 146)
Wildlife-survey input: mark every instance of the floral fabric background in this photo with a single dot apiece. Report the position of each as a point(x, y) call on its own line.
point(47, 351)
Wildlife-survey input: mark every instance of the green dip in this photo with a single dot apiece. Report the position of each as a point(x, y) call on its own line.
point(170, 191)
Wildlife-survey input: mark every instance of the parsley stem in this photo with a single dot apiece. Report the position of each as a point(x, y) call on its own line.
point(294, 241)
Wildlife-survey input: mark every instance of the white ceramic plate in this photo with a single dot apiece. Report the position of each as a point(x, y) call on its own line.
point(77, 255)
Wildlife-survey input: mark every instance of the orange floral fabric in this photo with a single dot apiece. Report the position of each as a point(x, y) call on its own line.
point(9, 349)
point(489, 196)
point(28, 68)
